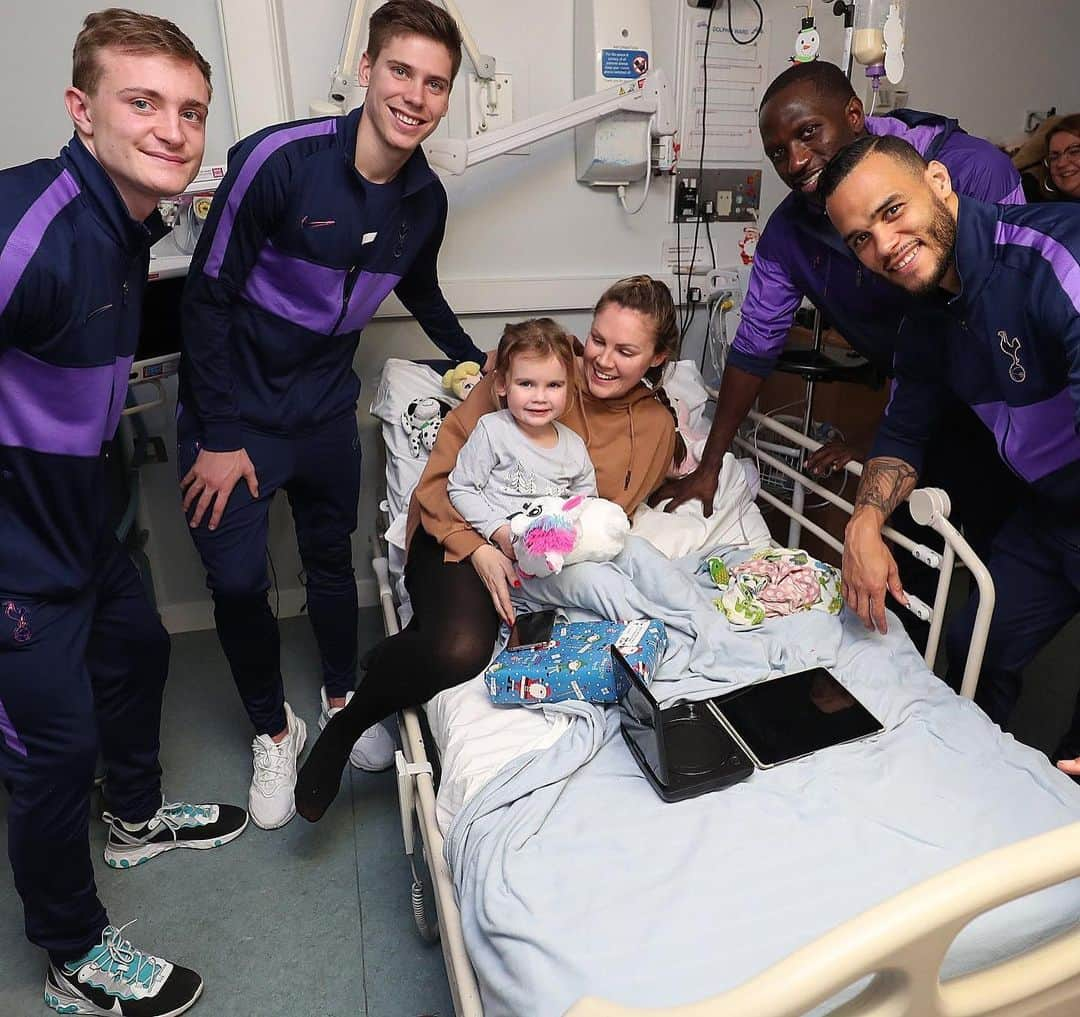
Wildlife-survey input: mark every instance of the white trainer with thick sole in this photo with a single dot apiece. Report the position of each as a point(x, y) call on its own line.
point(270, 800)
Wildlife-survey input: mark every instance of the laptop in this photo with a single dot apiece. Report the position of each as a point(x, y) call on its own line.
point(684, 750)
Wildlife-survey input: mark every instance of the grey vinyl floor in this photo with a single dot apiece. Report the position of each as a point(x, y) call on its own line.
point(306, 921)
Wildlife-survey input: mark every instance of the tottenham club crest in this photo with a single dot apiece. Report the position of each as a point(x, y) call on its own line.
point(1011, 349)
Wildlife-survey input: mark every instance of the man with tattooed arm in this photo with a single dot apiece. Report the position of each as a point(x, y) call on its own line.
point(997, 325)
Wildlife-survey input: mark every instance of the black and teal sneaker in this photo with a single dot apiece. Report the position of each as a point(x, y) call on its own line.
point(174, 825)
point(116, 979)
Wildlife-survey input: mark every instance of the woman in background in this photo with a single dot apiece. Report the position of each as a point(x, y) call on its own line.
point(1049, 161)
point(1063, 159)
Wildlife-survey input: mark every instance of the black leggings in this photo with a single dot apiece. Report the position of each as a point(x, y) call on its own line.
point(448, 641)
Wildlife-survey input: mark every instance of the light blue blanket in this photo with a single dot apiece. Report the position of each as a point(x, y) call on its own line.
point(573, 877)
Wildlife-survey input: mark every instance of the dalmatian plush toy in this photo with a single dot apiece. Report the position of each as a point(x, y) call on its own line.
point(422, 419)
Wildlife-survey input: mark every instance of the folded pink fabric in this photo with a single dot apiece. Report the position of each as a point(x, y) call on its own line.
point(784, 587)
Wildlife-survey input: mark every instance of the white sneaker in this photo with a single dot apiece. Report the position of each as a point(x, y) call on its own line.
point(270, 800)
point(373, 750)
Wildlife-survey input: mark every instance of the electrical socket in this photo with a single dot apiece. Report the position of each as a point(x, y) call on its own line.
point(716, 194)
point(693, 294)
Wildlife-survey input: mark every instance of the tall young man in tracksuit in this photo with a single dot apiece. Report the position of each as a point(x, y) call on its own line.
point(807, 115)
point(314, 225)
point(83, 656)
point(997, 324)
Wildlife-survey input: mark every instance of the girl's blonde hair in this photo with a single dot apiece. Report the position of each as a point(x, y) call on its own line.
point(537, 337)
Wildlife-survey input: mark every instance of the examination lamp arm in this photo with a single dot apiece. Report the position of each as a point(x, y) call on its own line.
point(649, 95)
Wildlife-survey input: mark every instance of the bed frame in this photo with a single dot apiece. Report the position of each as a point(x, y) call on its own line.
point(899, 944)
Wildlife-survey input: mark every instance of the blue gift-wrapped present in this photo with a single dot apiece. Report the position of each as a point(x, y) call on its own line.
point(577, 663)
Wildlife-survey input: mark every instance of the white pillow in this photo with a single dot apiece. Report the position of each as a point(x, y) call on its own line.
point(736, 519)
point(685, 388)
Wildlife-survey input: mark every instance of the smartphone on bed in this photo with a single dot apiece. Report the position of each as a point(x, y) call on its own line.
point(532, 631)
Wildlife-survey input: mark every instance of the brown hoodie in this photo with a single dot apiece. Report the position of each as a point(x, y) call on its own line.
point(630, 440)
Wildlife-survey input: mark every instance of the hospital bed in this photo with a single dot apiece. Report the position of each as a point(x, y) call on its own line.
point(850, 951)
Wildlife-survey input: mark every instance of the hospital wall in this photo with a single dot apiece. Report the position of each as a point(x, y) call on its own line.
point(523, 236)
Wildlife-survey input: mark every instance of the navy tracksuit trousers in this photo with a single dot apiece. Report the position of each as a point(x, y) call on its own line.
point(1035, 564)
point(320, 474)
point(77, 677)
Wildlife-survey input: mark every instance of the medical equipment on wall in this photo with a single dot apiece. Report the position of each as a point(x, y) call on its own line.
point(612, 46)
point(649, 97)
point(878, 39)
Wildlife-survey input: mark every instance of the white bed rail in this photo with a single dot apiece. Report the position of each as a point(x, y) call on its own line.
point(416, 797)
point(929, 507)
point(901, 943)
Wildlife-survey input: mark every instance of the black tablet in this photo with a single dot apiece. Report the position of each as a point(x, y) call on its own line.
point(793, 715)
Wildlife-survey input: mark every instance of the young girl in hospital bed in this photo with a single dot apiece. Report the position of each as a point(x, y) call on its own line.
point(522, 452)
point(458, 583)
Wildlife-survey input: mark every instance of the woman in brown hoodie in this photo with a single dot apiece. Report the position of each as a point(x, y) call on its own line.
point(458, 584)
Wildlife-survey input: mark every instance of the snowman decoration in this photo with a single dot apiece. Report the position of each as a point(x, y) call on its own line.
point(807, 43)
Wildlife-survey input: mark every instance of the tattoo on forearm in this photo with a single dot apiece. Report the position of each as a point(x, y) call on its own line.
point(885, 484)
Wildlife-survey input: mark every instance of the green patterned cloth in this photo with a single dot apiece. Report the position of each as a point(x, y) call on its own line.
point(773, 583)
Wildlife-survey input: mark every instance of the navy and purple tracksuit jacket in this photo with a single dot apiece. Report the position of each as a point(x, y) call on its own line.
point(801, 254)
point(286, 275)
point(73, 267)
point(1008, 345)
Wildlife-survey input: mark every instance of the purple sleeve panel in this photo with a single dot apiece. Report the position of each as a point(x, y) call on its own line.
point(369, 291)
point(26, 237)
point(308, 295)
point(1061, 260)
point(768, 310)
point(1037, 439)
point(59, 410)
point(1015, 197)
point(7, 729)
point(239, 187)
point(920, 138)
point(979, 170)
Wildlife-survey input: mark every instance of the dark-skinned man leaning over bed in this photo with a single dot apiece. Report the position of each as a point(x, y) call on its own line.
point(995, 321)
point(807, 115)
